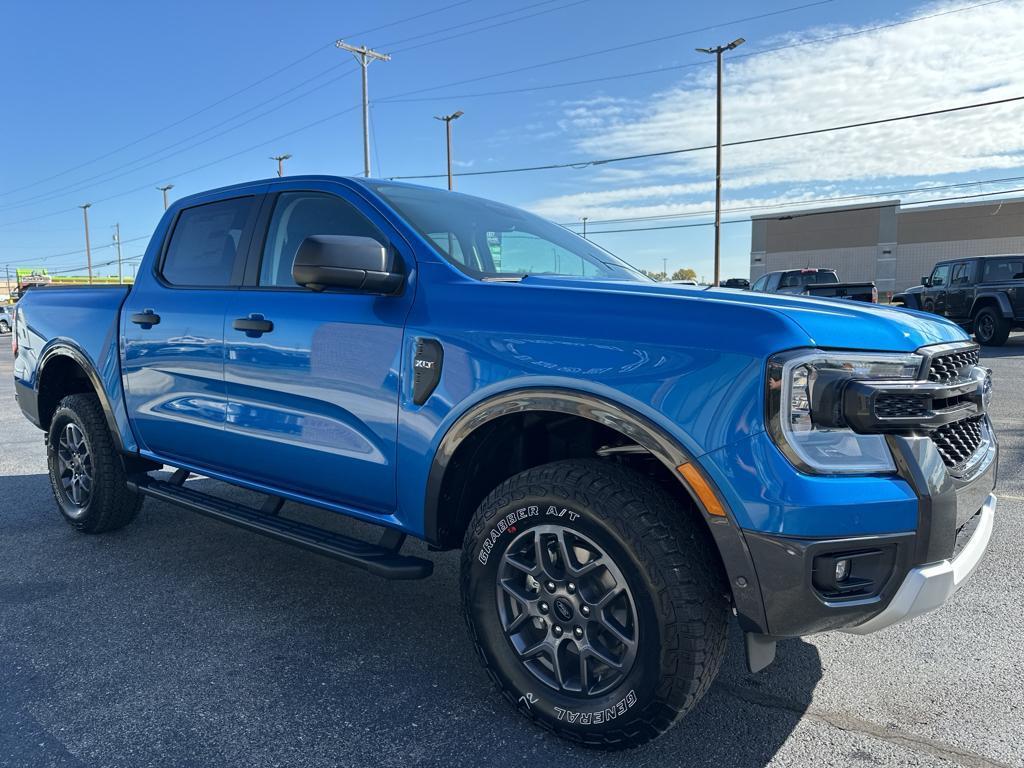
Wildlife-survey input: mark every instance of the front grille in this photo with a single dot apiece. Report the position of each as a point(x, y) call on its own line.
point(894, 406)
point(958, 441)
point(952, 365)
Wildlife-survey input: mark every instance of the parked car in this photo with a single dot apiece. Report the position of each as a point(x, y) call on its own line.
point(619, 481)
point(5, 320)
point(984, 295)
point(740, 283)
point(823, 283)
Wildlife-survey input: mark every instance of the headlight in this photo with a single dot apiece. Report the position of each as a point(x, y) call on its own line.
point(805, 408)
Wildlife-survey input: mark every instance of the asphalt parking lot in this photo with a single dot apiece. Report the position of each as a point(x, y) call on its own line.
point(180, 641)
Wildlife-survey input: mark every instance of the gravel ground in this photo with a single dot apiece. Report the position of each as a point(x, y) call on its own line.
point(180, 641)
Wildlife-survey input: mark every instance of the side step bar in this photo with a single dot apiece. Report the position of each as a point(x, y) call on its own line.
point(381, 559)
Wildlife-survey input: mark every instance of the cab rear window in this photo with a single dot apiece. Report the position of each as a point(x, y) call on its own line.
point(204, 245)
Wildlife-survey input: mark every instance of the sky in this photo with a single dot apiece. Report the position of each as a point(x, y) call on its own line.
point(106, 101)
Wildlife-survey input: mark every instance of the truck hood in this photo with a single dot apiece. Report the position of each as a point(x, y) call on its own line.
point(833, 323)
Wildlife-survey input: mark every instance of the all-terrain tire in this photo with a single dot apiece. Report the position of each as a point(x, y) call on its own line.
point(108, 503)
point(667, 560)
point(990, 328)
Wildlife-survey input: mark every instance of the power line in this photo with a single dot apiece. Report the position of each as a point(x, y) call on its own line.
point(421, 35)
point(807, 214)
point(615, 48)
point(491, 26)
point(665, 153)
point(197, 168)
point(84, 184)
point(688, 65)
point(74, 253)
point(231, 95)
point(791, 203)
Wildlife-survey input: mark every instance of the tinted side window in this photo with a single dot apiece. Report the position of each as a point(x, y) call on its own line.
point(961, 274)
point(760, 283)
point(204, 244)
point(297, 215)
point(997, 270)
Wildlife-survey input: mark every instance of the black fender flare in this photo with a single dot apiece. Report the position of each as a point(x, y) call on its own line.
point(728, 537)
point(909, 300)
point(69, 350)
point(1000, 299)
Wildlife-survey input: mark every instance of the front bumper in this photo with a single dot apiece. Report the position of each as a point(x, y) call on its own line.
point(927, 587)
point(908, 573)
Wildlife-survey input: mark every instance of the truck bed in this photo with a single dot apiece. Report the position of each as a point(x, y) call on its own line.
point(85, 319)
point(853, 291)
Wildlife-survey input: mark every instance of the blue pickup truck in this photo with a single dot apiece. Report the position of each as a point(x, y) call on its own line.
point(624, 465)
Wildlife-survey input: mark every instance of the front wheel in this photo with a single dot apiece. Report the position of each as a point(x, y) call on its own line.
point(5, 326)
point(990, 328)
point(595, 601)
point(86, 472)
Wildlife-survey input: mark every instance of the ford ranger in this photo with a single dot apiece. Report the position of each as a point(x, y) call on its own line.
point(624, 465)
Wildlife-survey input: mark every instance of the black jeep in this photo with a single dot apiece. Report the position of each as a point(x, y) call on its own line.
point(984, 294)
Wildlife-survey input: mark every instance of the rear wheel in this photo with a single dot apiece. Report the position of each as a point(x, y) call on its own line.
point(990, 328)
point(595, 601)
point(86, 471)
point(5, 327)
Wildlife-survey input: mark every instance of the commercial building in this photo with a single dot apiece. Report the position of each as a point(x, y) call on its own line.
point(883, 242)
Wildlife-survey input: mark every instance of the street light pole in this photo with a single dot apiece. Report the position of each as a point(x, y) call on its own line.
point(88, 253)
point(718, 51)
point(280, 163)
point(448, 140)
point(585, 227)
point(117, 240)
point(365, 56)
point(164, 189)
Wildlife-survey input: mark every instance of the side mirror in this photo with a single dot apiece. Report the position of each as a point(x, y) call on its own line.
point(926, 281)
point(346, 261)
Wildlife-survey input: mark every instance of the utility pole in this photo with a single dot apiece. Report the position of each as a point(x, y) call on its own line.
point(664, 267)
point(718, 51)
point(448, 140)
point(117, 240)
point(280, 163)
point(585, 227)
point(8, 281)
point(88, 253)
point(365, 56)
point(164, 189)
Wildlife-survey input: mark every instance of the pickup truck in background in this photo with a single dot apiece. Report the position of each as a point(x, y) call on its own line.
point(821, 283)
point(624, 465)
point(984, 295)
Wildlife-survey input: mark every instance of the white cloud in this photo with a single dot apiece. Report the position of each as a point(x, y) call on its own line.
point(960, 58)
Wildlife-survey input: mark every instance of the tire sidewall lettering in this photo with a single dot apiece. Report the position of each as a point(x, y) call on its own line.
point(509, 522)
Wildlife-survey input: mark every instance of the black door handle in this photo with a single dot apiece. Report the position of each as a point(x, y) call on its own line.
point(147, 318)
point(254, 325)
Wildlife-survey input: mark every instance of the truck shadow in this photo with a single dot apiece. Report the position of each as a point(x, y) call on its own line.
point(1014, 347)
point(206, 645)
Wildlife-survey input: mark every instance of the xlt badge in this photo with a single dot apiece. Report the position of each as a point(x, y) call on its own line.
point(426, 367)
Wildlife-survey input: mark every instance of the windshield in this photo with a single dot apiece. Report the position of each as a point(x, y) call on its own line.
point(488, 239)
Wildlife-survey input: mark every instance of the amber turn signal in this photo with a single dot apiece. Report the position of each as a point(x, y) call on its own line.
point(695, 478)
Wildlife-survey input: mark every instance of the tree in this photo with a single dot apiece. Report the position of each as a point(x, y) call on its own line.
point(685, 274)
point(657, 276)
